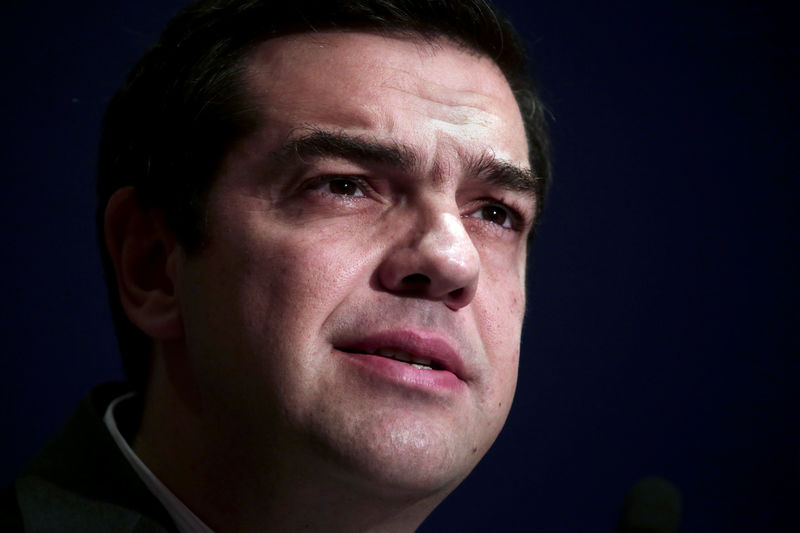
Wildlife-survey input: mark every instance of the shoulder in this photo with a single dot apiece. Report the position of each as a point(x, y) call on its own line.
point(80, 481)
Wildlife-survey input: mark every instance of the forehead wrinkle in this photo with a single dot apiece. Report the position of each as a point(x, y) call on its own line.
point(456, 98)
point(467, 107)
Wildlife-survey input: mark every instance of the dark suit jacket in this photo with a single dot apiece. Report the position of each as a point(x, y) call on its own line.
point(81, 482)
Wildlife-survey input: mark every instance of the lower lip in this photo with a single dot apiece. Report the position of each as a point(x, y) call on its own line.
point(404, 374)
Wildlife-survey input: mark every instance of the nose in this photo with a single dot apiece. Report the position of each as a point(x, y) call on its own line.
point(438, 261)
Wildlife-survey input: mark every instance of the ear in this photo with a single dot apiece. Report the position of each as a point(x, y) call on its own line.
point(145, 256)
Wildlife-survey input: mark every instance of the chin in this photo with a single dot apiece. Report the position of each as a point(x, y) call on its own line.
point(411, 460)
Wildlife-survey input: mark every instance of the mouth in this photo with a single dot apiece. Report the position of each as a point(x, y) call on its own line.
point(425, 352)
point(422, 363)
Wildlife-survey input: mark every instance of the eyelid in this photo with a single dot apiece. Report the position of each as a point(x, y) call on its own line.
point(516, 214)
point(323, 179)
point(508, 223)
point(520, 212)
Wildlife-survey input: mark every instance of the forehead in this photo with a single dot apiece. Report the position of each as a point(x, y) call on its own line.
point(418, 92)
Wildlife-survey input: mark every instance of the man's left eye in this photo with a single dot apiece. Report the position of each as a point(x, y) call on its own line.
point(494, 213)
point(344, 187)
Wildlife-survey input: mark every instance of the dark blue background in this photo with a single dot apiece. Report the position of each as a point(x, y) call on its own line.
point(662, 334)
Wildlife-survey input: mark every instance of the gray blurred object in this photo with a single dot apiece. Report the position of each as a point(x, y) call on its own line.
point(653, 505)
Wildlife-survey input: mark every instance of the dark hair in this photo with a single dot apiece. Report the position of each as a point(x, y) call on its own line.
point(184, 102)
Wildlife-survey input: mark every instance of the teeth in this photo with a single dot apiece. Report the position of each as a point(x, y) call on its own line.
point(400, 355)
point(391, 353)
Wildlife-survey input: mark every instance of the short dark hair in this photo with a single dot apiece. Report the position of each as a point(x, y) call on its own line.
point(184, 103)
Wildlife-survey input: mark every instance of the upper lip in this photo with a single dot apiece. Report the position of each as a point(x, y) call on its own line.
point(420, 345)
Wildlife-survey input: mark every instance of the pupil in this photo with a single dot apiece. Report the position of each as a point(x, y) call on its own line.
point(344, 187)
point(494, 214)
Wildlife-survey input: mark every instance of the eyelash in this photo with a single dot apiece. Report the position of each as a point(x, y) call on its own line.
point(515, 218)
point(326, 180)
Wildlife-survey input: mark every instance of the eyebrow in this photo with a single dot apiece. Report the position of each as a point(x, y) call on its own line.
point(320, 144)
point(504, 174)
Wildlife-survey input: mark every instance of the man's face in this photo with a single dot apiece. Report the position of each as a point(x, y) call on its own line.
point(378, 218)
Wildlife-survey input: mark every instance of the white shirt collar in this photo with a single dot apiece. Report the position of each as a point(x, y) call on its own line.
point(185, 520)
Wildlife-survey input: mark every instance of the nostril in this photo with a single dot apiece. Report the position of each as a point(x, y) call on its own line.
point(457, 294)
point(416, 281)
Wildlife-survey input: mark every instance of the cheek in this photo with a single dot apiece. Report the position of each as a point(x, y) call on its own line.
point(499, 309)
point(501, 298)
point(501, 331)
point(298, 277)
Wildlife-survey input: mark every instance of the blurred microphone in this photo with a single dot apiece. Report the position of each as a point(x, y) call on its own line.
point(653, 505)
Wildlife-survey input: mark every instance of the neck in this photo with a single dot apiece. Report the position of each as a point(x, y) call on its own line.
point(256, 485)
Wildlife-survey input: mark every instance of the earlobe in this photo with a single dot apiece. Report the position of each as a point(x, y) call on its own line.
point(145, 256)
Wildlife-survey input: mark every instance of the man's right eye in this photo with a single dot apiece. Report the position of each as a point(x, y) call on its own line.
point(343, 187)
